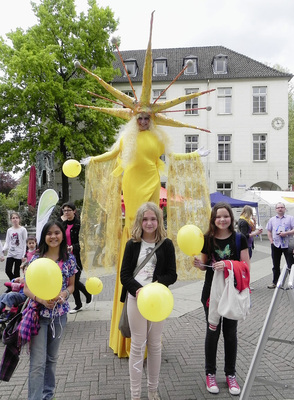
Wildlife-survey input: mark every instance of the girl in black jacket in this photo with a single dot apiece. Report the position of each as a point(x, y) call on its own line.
point(147, 231)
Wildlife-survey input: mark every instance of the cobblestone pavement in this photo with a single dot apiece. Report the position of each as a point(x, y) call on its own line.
point(88, 370)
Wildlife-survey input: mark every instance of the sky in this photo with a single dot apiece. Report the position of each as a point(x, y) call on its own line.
point(260, 29)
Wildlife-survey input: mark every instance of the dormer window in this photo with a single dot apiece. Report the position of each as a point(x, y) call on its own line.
point(192, 68)
point(131, 66)
point(220, 64)
point(160, 66)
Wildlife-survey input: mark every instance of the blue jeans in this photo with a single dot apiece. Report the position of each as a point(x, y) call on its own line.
point(43, 358)
point(11, 299)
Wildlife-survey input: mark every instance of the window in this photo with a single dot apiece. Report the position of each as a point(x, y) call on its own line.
point(156, 93)
point(129, 93)
point(160, 67)
point(132, 67)
point(259, 147)
point(259, 99)
point(192, 68)
point(224, 99)
point(224, 188)
point(191, 143)
point(224, 147)
point(192, 103)
point(220, 64)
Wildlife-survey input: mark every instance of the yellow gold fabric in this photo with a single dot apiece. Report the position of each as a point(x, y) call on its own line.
point(101, 219)
point(188, 202)
point(102, 237)
point(136, 155)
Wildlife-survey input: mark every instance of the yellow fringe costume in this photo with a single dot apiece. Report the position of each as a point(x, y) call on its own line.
point(133, 167)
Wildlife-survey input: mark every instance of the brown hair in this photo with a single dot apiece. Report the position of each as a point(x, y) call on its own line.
point(210, 234)
point(137, 227)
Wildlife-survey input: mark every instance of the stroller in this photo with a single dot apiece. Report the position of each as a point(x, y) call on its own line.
point(12, 312)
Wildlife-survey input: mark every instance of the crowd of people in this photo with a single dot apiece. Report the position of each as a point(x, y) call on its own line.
point(60, 242)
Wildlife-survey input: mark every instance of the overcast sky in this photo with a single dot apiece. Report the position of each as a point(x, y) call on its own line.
point(260, 29)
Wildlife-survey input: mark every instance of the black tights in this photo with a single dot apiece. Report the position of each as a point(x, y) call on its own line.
point(9, 267)
point(230, 345)
point(80, 287)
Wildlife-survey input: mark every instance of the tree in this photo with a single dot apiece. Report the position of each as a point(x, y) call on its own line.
point(291, 134)
point(40, 86)
point(290, 124)
point(7, 183)
point(16, 200)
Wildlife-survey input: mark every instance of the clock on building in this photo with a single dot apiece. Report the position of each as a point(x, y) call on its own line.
point(278, 123)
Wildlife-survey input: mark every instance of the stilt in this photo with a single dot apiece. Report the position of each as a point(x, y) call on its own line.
point(264, 336)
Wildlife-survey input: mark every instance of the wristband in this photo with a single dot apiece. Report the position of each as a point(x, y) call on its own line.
point(68, 294)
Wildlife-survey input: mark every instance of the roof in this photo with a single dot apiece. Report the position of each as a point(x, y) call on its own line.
point(270, 197)
point(239, 66)
point(218, 197)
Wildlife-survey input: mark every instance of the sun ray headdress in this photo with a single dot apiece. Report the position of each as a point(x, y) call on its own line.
point(133, 106)
point(102, 238)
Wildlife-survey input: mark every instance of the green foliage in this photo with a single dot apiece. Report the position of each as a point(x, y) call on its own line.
point(291, 136)
point(16, 201)
point(3, 214)
point(290, 124)
point(39, 85)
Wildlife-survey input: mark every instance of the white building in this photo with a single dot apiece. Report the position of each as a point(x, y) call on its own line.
point(248, 120)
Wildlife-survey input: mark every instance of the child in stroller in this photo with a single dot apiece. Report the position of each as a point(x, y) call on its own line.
point(11, 302)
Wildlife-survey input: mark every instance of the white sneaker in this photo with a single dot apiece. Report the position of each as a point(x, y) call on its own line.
point(87, 305)
point(75, 310)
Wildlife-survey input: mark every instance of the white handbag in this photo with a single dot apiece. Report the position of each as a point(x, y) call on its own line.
point(233, 304)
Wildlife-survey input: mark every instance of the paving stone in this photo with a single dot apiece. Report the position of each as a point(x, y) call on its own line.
point(88, 370)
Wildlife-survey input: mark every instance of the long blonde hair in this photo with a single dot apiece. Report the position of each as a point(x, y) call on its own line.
point(129, 137)
point(137, 230)
point(247, 212)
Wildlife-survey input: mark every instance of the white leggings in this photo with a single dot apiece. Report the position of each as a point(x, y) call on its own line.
point(143, 332)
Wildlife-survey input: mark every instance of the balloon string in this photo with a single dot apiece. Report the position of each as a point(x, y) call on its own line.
point(205, 265)
point(52, 322)
point(142, 351)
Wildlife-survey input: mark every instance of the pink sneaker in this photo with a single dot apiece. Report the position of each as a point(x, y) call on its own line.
point(234, 388)
point(211, 384)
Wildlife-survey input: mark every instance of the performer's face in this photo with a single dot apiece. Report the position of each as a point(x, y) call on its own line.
point(143, 121)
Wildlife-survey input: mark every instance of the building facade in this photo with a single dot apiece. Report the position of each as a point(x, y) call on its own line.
point(248, 119)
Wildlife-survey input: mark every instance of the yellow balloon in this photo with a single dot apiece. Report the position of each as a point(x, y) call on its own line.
point(155, 302)
point(94, 285)
point(71, 168)
point(44, 278)
point(190, 240)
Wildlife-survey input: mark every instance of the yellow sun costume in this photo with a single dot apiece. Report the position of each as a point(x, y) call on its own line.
point(133, 166)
